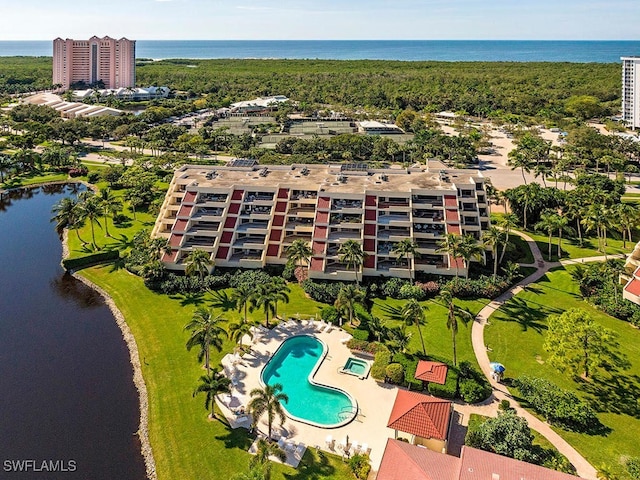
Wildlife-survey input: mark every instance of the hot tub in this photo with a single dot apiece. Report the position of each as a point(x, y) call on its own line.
point(357, 367)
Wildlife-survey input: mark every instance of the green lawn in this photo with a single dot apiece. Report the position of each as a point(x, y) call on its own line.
point(185, 444)
point(437, 337)
point(572, 249)
point(516, 335)
point(33, 179)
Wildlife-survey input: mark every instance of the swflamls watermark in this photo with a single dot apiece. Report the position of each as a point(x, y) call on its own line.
point(30, 465)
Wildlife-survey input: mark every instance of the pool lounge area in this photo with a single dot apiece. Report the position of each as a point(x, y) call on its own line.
point(373, 402)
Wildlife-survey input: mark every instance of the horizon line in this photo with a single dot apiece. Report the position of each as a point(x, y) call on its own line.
point(353, 40)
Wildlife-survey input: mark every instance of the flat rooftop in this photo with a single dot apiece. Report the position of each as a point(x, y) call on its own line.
point(328, 178)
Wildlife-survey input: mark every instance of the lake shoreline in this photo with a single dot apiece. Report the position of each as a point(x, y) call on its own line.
point(132, 347)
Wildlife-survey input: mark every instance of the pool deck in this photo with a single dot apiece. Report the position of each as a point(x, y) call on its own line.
point(375, 401)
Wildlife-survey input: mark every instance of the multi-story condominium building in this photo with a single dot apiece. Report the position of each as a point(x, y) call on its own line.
point(631, 91)
point(246, 215)
point(98, 59)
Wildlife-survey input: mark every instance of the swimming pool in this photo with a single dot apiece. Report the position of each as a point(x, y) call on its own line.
point(357, 367)
point(293, 365)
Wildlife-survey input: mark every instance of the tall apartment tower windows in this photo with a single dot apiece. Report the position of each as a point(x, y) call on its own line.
point(106, 60)
point(631, 91)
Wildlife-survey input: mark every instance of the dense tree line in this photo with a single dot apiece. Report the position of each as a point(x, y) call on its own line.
point(546, 90)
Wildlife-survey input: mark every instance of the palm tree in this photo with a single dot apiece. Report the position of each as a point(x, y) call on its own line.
point(265, 299)
point(508, 222)
point(408, 249)
point(299, 252)
point(212, 384)
point(242, 296)
point(470, 249)
point(66, 216)
point(110, 204)
point(377, 328)
point(238, 330)
point(266, 449)
point(413, 314)
point(206, 332)
point(627, 217)
point(198, 262)
point(267, 400)
point(89, 208)
point(351, 254)
point(518, 159)
point(454, 313)
point(547, 223)
point(348, 297)
point(280, 291)
point(451, 246)
point(493, 237)
point(562, 226)
point(399, 338)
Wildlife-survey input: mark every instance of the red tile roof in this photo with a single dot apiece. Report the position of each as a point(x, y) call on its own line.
point(434, 372)
point(403, 461)
point(480, 465)
point(421, 415)
point(633, 287)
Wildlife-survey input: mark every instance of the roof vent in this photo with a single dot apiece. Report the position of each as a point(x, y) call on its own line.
point(495, 476)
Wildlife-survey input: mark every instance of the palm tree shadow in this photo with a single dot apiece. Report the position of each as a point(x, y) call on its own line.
point(196, 299)
point(394, 313)
point(313, 466)
point(236, 438)
point(222, 300)
point(520, 311)
point(116, 265)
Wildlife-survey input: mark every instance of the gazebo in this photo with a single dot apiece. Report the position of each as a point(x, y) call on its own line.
point(431, 372)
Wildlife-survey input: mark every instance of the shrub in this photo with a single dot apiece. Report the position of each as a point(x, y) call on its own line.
point(504, 404)
point(359, 465)
point(395, 373)
point(330, 314)
point(408, 292)
point(215, 282)
point(364, 346)
point(391, 287)
point(252, 278)
point(289, 271)
point(325, 292)
point(78, 171)
point(473, 391)
point(380, 362)
point(430, 289)
point(485, 287)
point(633, 467)
point(409, 362)
point(556, 405)
point(120, 218)
point(360, 334)
point(93, 177)
point(448, 390)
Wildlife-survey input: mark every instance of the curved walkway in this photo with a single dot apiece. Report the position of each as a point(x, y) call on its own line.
point(500, 392)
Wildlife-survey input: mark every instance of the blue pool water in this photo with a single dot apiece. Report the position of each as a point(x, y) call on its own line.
point(356, 367)
point(291, 366)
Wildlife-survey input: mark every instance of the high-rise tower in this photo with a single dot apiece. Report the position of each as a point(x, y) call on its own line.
point(98, 59)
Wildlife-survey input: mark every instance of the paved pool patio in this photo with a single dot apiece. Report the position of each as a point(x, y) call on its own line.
point(375, 401)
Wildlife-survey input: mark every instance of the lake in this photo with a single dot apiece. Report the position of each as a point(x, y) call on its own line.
point(68, 397)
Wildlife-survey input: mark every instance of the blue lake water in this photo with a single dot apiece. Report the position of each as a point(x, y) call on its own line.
point(445, 50)
point(66, 384)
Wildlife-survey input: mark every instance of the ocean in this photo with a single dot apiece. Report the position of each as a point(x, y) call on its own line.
point(444, 50)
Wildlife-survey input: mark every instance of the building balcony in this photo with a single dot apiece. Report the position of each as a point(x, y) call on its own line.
point(203, 213)
point(289, 239)
point(394, 234)
point(346, 205)
point(429, 200)
point(398, 220)
point(200, 243)
point(259, 227)
point(343, 236)
point(257, 242)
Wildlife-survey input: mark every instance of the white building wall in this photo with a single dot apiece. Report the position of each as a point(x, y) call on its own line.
point(631, 91)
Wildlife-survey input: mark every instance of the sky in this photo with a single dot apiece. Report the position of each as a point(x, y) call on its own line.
point(322, 19)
